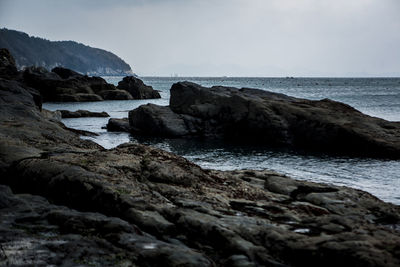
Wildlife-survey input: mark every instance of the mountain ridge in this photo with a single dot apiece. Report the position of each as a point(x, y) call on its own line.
point(29, 50)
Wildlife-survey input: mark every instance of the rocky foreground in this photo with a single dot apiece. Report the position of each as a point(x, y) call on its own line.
point(257, 116)
point(66, 201)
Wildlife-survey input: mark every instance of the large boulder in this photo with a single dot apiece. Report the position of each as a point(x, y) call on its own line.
point(26, 130)
point(41, 79)
point(98, 84)
point(157, 120)
point(61, 84)
point(256, 116)
point(50, 85)
point(65, 85)
point(8, 71)
point(137, 88)
point(118, 125)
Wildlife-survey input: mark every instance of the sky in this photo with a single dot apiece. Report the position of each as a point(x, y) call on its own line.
point(260, 38)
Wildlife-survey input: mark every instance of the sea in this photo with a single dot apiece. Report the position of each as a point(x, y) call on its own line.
point(378, 97)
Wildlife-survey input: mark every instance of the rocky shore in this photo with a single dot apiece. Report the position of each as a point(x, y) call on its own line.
point(256, 116)
point(67, 201)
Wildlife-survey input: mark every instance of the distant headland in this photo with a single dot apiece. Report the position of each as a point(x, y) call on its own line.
point(34, 51)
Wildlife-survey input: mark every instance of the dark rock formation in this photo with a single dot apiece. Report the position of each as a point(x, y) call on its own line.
point(115, 95)
point(52, 87)
point(7, 64)
point(8, 71)
point(118, 125)
point(137, 88)
point(36, 233)
point(251, 115)
point(82, 113)
point(157, 120)
point(74, 88)
point(65, 85)
point(65, 73)
point(69, 202)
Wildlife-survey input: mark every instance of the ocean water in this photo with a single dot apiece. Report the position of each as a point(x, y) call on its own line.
point(379, 97)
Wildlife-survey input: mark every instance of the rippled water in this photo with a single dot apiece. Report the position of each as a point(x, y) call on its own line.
point(378, 97)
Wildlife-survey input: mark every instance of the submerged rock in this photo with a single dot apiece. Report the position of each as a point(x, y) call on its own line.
point(82, 113)
point(137, 88)
point(261, 117)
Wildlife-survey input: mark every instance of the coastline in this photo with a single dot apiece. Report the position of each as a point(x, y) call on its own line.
point(157, 208)
point(64, 200)
point(375, 176)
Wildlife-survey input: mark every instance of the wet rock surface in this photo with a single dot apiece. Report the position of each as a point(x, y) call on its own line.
point(261, 117)
point(82, 113)
point(118, 125)
point(66, 201)
point(154, 120)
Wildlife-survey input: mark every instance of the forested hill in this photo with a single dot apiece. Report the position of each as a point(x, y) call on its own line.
point(28, 51)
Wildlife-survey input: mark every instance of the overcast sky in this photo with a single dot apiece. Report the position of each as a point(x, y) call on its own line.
point(225, 37)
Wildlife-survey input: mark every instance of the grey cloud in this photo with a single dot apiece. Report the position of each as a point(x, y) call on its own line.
point(236, 37)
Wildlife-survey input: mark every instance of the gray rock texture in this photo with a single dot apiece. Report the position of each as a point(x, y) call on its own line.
point(261, 117)
point(7, 64)
point(65, 201)
point(137, 88)
point(118, 125)
point(64, 85)
point(157, 120)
